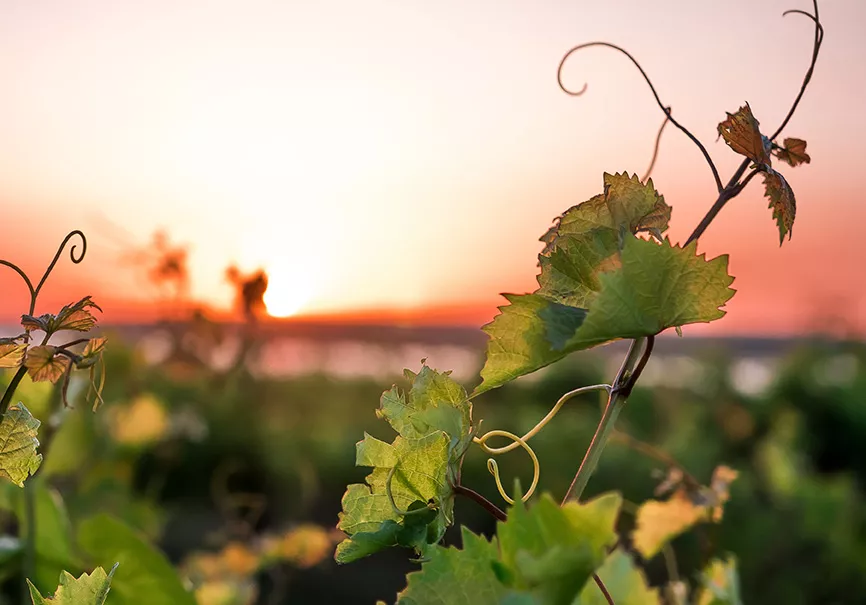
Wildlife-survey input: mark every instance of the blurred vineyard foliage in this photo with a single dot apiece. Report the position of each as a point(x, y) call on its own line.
point(238, 477)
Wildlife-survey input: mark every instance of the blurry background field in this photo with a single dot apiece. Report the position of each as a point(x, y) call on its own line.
point(237, 470)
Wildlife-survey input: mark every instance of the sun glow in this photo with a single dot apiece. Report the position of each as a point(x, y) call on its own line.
point(292, 287)
point(284, 298)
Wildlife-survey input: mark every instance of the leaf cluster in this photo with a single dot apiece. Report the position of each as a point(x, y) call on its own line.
point(600, 282)
point(408, 497)
point(549, 555)
point(741, 131)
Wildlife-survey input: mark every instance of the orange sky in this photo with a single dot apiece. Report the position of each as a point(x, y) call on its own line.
point(403, 155)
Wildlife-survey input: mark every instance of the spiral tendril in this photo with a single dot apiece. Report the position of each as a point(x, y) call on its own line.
point(493, 467)
point(34, 292)
point(516, 441)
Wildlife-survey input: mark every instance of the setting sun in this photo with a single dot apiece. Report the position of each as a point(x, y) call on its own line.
point(292, 286)
point(283, 299)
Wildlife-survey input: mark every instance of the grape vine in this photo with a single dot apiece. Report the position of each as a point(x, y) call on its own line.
point(607, 272)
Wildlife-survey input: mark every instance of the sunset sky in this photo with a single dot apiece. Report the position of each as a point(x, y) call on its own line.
point(396, 157)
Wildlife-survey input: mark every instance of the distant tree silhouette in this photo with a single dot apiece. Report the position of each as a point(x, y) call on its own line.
point(251, 290)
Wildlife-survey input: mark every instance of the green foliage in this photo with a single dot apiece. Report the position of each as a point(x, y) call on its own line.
point(551, 551)
point(545, 555)
point(454, 576)
point(87, 589)
point(18, 443)
point(147, 579)
point(586, 239)
point(408, 499)
point(599, 282)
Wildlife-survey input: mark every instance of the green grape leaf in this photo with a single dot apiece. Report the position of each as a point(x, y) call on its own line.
point(456, 577)
point(18, 456)
point(635, 205)
point(523, 335)
point(781, 201)
point(586, 238)
point(793, 152)
point(721, 584)
point(554, 550)
point(11, 352)
point(87, 589)
point(43, 363)
point(435, 403)
point(148, 578)
point(742, 134)
point(625, 583)
point(368, 515)
point(657, 286)
point(414, 473)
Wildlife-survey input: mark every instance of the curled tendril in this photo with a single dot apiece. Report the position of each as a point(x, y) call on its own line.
point(516, 441)
point(72, 257)
point(666, 110)
point(543, 422)
point(34, 292)
point(494, 468)
point(816, 48)
point(397, 510)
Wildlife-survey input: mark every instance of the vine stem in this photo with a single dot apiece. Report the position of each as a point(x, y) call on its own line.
point(631, 368)
point(10, 390)
point(495, 512)
point(603, 589)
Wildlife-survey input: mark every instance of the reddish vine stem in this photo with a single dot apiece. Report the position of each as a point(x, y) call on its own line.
point(603, 589)
point(467, 492)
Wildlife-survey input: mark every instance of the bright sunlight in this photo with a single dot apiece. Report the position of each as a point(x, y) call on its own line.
point(284, 299)
point(291, 288)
